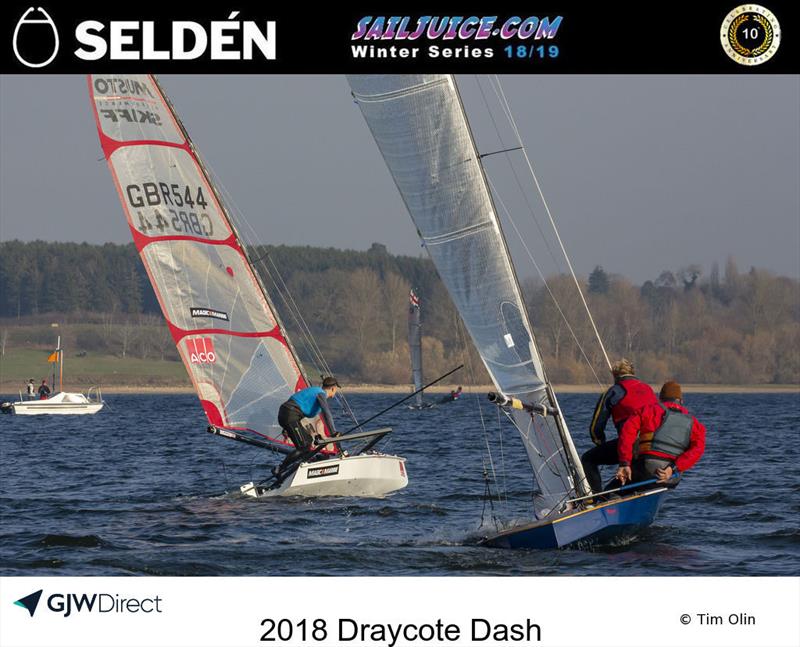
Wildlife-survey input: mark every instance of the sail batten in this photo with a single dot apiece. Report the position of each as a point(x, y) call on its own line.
point(225, 329)
point(422, 132)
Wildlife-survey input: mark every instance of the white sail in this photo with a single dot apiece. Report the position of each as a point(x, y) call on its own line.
point(422, 131)
point(225, 329)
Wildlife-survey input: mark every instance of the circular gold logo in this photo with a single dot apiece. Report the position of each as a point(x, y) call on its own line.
point(750, 34)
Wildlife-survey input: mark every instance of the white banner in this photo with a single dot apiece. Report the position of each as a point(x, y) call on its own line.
point(399, 612)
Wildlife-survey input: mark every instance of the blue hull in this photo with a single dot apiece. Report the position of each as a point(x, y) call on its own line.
point(602, 523)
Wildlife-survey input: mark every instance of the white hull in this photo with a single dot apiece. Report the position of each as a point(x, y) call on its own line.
point(60, 404)
point(367, 475)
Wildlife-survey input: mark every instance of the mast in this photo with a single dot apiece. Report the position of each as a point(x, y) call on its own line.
point(415, 345)
point(566, 438)
point(226, 214)
point(58, 360)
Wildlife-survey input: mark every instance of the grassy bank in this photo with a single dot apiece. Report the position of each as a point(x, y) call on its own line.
point(17, 366)
point(135, 375)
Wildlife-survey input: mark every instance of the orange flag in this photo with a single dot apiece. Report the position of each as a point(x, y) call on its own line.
point(53, 357)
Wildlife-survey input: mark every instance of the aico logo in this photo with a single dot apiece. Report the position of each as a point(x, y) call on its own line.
point(201, 351)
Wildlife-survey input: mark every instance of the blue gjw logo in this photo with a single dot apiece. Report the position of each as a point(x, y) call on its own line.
point(68, 603)
point(30, 602)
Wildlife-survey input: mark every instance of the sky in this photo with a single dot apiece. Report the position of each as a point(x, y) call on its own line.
point(642, 173)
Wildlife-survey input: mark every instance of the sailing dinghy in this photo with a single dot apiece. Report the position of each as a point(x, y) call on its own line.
point(60, 403)
point(415, 350)
point(422, 131)
point(227, 331)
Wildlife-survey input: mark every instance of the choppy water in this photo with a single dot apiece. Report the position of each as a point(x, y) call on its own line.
point(142, 489)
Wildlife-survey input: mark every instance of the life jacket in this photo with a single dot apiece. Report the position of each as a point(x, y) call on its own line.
point(637, 396)
point(672, 436)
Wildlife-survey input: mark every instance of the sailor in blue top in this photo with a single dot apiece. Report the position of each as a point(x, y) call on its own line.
point(308, 400)
point(306, 403)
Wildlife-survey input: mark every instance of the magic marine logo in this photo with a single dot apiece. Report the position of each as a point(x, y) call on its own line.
point(67, 604)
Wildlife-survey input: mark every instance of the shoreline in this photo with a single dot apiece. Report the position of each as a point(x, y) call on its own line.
point(123, 389)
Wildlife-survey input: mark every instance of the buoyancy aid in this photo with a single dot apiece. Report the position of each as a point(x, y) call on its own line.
point(637, 396)
point(672, 436)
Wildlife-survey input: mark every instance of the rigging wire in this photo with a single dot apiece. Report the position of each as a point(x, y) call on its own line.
point(541, 276)
point(538, 226)
point(516, 175)
point(501, 96)
point(502, 454)
point(306, 330)
point(250, 236)
point(467, 361)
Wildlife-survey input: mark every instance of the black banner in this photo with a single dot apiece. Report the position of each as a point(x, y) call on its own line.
point(531, 38)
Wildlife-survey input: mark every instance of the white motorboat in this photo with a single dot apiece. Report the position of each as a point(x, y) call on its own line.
point(59, 404)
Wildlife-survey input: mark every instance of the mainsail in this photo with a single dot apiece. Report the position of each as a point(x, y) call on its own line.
point(225, 328)
point(415, 346)
point(421, 129)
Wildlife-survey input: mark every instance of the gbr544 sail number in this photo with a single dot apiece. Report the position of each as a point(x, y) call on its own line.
point(170, 207)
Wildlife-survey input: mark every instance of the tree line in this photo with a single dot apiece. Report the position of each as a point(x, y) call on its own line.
point(731, 327)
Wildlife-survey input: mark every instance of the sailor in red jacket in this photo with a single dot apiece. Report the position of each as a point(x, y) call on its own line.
point(628, 395)
point(670, 440)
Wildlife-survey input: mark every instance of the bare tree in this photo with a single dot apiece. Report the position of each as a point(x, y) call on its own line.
point(362, 303)
point(126, 333)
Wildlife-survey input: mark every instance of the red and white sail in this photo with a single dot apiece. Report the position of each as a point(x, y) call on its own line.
point(223, 324)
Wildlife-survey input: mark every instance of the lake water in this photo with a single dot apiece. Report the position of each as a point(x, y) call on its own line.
point(141, 489)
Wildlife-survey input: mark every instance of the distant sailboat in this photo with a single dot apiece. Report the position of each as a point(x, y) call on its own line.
point(225, 327)
point(60, 403)
point(421, 129)
point(415, 350)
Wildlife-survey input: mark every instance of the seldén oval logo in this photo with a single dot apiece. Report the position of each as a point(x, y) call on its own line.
point(35, 39)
